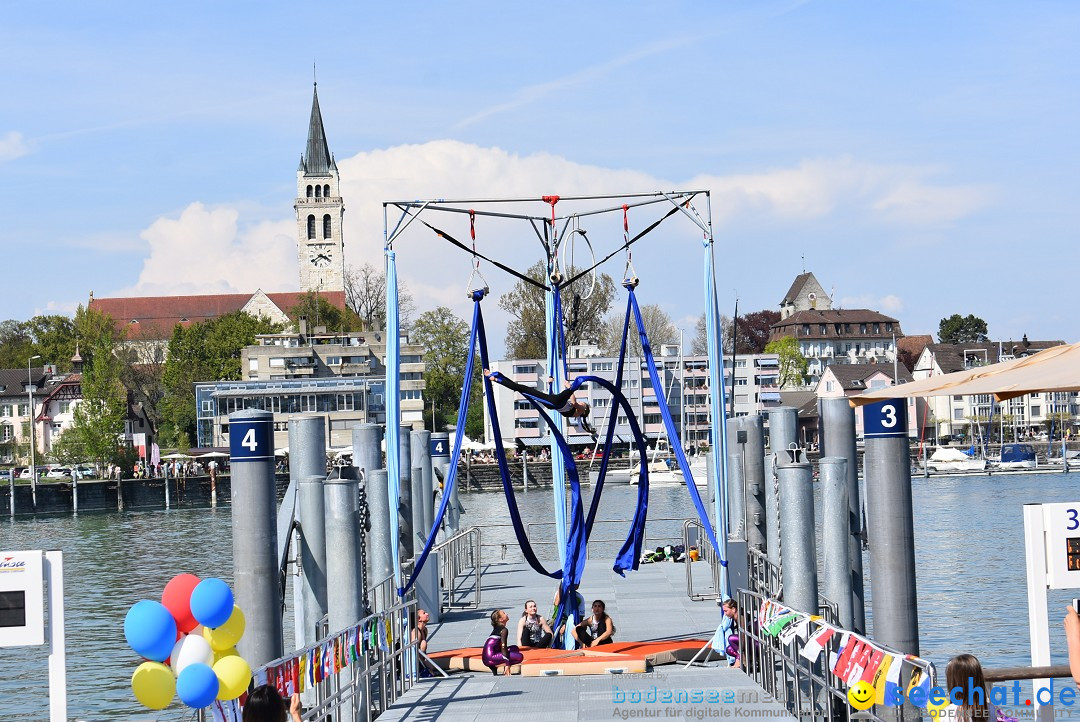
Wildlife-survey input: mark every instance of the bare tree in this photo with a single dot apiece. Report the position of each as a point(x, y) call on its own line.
point(658, 328)
point(365, 294)
point(699, 346)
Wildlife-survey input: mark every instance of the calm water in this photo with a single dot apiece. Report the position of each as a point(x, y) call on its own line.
point(969, 550)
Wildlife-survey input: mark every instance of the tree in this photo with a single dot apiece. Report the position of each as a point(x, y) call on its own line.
point(445, 339)
point(658, 328)
point(958, 329)
point(320, 312)
point(793, 364)
point(583, 319)
point(98, 419)
point(143, 371)
point(752, 330)
point(699, 345)
point(206, 351)
point(365, 294)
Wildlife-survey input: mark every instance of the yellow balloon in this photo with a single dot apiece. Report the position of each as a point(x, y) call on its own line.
point(228, 634)
point(153, 684)
point(230, 652)
point(234, 675)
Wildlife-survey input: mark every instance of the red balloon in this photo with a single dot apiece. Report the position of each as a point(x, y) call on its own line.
point(177, 599)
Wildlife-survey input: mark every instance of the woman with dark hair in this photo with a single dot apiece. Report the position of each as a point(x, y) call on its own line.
point(597, 629)
point(265, 704)
point(965, 672)
point(565, 402)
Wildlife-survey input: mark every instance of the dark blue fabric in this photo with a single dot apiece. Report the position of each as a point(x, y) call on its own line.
point(673, 433)
point(451, 477)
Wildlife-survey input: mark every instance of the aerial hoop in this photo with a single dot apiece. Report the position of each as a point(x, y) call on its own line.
point(567, 260)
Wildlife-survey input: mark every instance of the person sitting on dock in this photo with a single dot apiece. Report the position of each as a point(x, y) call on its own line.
point(496, 652)
point(533, 630)
point(565, 402)
point(577, 609)
point(965, 672)
point(597, 629)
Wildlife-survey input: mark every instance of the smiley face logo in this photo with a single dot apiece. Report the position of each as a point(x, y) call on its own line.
point(861, 695)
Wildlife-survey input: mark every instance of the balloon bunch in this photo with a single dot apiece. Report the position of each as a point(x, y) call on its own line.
point(189, 642)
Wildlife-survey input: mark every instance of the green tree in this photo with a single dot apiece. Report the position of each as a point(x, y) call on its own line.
point(98, 419)
point(206, 351)
point(16, 344)
point(793, 364)
point(445, 338)
point(583, 319)
point(958, 329)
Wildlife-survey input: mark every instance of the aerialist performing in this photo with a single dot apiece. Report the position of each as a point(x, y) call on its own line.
point(565, 402)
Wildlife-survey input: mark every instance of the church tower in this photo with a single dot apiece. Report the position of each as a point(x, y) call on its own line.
point(319, 212)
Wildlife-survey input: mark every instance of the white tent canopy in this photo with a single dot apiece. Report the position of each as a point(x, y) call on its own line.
point(1053, 370)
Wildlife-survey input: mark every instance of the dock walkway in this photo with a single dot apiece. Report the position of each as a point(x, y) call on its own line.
point(649, 604)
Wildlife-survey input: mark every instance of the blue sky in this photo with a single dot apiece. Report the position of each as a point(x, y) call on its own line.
point(922, 156)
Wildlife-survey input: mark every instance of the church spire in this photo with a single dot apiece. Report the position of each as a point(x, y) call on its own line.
point(317, 159)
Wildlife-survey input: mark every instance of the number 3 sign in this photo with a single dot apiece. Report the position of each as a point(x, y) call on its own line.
point(885, 419)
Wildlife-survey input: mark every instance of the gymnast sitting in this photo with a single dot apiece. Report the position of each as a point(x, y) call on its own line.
point(565, 402)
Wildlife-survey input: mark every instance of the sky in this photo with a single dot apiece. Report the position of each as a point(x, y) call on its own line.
point(920, 158)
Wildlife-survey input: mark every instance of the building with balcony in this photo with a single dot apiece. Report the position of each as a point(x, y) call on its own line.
point(843, 336)
point(839, 380)
point(955, 416)
point(341, 375)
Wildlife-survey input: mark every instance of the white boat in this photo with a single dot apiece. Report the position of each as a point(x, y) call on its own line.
point(661, 475)
point(953, 460)
point(1015, 456)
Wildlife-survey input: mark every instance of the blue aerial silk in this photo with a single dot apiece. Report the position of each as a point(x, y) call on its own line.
point(393, 411)
point(553, 323)
point(718, 406)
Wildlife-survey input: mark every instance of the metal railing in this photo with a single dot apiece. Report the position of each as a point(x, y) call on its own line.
point(764, 576)
point(693, 534)
point(381, 672)
point(460, 556)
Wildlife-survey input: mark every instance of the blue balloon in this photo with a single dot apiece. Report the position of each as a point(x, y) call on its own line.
point(197, 686)
point(150, 630)
point(211, 602)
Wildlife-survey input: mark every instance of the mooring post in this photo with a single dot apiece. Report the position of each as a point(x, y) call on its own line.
point(891, 525)
point(440, 469)
point(307, 469)
point(746, 437)
point(380, 565)
point(838, 440)
point(796, 507)
point(254, 525)
point(835, 532)
point(782, 429)
point(736, 497)
point(346, 595)
point(405, 495)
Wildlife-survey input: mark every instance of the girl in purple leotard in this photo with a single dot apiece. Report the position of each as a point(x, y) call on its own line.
point(496, 652)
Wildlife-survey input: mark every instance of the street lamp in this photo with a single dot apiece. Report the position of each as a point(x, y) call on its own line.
point(30, 388)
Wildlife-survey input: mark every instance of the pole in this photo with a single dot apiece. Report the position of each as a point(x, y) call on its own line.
point(313, 561)
point(783, 422)
point(891, 526)
point(736, 498)
point(380, 566)
point(254, 524)
point(421, 502)
point(345, 597)
point(838, 440)
point(30, 388)
point(440, 468)
point(405, 493)
point(747, 434)
point(53, 568)
point(836, 531)
point(796, 507)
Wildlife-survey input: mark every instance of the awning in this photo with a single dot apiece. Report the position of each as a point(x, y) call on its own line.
point(770, 396)
point(544, 440)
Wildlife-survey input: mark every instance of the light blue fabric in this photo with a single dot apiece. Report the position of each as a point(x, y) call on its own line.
point(393, 411)
point(558, 467)
point(719, 410)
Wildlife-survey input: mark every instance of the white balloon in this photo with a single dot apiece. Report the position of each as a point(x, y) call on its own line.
point(190, 649)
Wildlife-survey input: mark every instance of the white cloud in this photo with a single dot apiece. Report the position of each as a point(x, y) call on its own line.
point(12, 146)
point(206, 251)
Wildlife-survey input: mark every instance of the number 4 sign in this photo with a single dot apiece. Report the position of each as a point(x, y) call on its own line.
point(251, 439)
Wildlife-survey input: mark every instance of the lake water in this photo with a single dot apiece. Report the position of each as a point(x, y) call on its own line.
point(969, 553)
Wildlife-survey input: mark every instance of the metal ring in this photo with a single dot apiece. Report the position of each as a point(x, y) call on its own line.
point(567, 260)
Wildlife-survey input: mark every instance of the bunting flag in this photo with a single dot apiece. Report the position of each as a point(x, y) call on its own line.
point(858, 664)
point(799, 629)
point(872, 665)
point(776, 625)
point(880, 676)
point(893, 688)
point(811, 651)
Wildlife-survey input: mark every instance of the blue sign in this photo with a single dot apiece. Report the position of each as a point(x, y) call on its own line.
point(440, 447)
point(251, 440)
point(885, 419)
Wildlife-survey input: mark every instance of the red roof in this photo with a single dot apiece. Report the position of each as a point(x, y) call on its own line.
point(154, 317)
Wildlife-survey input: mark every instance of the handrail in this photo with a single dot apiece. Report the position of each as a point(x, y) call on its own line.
point(457, 555)
point(705, 554)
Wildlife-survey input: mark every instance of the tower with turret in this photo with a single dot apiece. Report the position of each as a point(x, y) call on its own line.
point(319, 212)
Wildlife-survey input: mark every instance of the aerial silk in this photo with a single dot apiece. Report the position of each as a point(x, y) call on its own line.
point(393, 411)
point(553, 314)
point(718, 405)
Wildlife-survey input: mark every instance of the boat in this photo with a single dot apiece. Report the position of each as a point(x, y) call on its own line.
point(1016, 456)
point(946, 460)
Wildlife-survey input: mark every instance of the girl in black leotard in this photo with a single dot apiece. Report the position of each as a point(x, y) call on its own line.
point(565, 402)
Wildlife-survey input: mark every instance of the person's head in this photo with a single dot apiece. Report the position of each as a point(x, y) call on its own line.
point(965, 672)
point(581, 408)
point(498, 618)
point(422, 616)
point(264, 704)
point(530, 608)
point(731, 608)
point(599, 609)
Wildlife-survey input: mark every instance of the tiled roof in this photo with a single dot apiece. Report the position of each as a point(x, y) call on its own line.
point(951, 357)
point(154, 317)
point(846, 315)
point(13, 382)
point(914, 344)
point(804, 401)
point(796, 286)
point(849, 374)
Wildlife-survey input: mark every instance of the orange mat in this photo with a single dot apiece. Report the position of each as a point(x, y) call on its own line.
point(619, 657)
